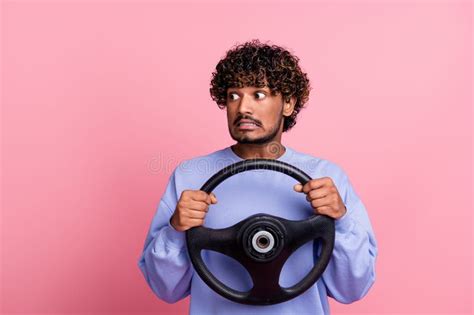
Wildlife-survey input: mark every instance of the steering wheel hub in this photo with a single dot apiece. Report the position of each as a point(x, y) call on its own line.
point(262, 238)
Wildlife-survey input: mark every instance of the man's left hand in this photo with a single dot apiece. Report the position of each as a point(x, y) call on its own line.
point(323, 196)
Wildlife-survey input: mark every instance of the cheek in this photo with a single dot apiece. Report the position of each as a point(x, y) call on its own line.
point(230, 116)
point(271, 119)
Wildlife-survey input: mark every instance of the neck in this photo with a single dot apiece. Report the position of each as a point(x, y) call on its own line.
point(272, 150)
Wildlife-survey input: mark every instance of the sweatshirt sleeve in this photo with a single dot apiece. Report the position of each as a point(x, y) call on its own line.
point(351, 270)
point(164, 261)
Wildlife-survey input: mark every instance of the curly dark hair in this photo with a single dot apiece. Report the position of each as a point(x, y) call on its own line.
point(261, 64)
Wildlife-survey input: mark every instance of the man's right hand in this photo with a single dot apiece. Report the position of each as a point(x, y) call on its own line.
point(191, 209)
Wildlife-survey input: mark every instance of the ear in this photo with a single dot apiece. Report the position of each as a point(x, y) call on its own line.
point(289, 106)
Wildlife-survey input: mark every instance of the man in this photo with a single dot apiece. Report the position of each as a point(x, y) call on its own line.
point(263, 89)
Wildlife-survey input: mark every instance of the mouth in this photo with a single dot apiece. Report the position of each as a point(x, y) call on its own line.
point(247, 125)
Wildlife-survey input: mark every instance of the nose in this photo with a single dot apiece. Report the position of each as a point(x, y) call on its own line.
point(245, 105)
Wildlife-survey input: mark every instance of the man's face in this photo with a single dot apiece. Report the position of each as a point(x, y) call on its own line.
point(255, 115)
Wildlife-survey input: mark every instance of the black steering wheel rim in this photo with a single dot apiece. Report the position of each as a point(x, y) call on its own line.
point(228, 240)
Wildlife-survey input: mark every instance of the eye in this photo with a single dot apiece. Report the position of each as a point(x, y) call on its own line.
point(262, 95)
point(231, 96)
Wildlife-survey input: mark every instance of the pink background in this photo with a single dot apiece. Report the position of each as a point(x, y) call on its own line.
point(102, 100)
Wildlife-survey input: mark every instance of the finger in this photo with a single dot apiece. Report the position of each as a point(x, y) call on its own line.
point(315, 184)
point(201, 195)
point(198, 206)
point(186, 194)
point(323, 210)
point(316, 203)
point(318, 193)
point(194, 222)
point(309, 199)
point(298, 188)
point(213, 198)
point(193, 214)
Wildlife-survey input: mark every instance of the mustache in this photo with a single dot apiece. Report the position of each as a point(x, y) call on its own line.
point(248, 118)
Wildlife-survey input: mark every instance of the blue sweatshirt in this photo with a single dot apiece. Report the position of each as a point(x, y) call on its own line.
point(167, 268)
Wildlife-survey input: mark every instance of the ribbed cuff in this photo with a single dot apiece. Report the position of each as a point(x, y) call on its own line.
point(344, 223)
point(176, 239)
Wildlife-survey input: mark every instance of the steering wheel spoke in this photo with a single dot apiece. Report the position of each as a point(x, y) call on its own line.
point(265, 277)
point(220, 240)
point(313, 228)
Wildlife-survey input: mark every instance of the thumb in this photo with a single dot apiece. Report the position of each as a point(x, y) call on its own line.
point(213, 198)
point(298, 188)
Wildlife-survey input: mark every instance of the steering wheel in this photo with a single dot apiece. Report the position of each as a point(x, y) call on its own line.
point(261, 243)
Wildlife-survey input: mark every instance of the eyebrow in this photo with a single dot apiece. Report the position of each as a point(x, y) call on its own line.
point(264, 89)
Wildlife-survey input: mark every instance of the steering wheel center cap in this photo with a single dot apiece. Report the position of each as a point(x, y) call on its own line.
point(263, 241)
point(263, 238)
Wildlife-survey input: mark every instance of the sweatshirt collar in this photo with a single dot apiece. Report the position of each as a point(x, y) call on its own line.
point(285, 157)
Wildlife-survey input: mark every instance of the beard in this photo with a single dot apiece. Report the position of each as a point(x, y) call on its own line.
point(262, 139)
